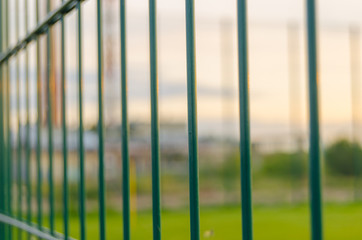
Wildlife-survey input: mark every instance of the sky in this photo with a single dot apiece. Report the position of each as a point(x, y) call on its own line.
point(268, 62)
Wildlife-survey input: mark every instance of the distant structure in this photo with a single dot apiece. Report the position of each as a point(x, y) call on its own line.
point(54, 80)
point(295, 103)
point(227, 74)
point(110, 74)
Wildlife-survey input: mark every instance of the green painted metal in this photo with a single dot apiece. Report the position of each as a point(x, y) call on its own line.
point(2, 160)
point(42, 27)
point(102, 210)
point(18, 152)
point(192, 122)
point(156, 199)
point(124, 110)
point(26, 227)
point(244, 120)
point(19, 144)
point(8, 131)
point(18, 116)
point(64, 130)
point(27, 150)
point(50, 123)
point(39, 184)
point(82, 196)
point(314, 139)
point(7, 150)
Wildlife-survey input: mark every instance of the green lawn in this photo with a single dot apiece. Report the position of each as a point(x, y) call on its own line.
point(279, 223)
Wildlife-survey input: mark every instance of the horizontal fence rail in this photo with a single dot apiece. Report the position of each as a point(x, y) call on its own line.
point(18, 220)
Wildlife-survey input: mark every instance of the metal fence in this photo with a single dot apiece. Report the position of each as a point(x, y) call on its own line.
point(33, 225)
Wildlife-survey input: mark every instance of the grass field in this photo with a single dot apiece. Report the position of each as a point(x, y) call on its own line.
point(270, 223)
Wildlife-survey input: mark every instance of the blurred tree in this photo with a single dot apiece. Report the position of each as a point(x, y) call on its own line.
point(230, 174)
point(344, 158)
point(285, 165)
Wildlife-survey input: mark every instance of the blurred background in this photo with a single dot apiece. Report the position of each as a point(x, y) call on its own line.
point(278, 107)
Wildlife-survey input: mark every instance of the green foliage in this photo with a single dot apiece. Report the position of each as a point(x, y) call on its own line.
point(231, 167)
point(230, 171)
point(285, 165)
point(343, 158)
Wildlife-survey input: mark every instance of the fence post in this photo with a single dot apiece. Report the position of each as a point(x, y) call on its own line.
point(246, 198)
point(314, 140)
point(2, 158)
point(192, 121)
point(124, 110)
point(82, 195)
point(49, 95)
point(8, 132)
point(102, 210)
point(28, 150)
point(39, 131)
point(156, 205)
point(64, 130)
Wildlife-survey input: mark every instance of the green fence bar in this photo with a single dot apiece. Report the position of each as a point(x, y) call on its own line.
point(18, 105)
point(246, 198)
point(50, 124)
point(156, 201)
point(192, 122)
point(7, 149)
point(2, 160)
point(23, 226)
point(8, 131)
point(27, 151)
point(82, 195)
point(18, 145)
point(314, 141)
point(42, 27)
point(39, 184)
point(102, 210)
point(124, 110)
point(64, 130)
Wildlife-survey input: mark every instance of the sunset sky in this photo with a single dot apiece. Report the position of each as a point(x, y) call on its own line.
point(268, 61)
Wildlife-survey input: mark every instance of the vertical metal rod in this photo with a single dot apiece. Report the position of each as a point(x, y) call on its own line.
point(82, 195)
point(8, 132)
point(314, 141)
point(19, 142)
point(9, 149)
point(125, 153)
point(102, 212)
point(192, 122)
point(64, 123)
point(2, 160)
point(39, 126)
point(156, 202)
point(19, 152)
point(355, 93)
point(246, 195)
point(5, 144)
point(27, 102)
point(50, 124)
